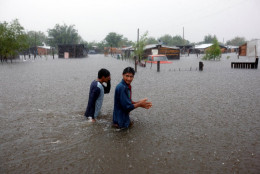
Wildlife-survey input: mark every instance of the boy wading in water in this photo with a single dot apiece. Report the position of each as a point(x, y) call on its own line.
point(123, 103)
point(96, 94)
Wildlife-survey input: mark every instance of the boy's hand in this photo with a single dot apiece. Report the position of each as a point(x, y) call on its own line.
point(145, 104)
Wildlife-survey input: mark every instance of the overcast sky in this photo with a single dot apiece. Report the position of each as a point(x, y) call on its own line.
point(94, 19)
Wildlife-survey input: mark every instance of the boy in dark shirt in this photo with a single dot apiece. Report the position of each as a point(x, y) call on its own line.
point(96, 94)
point(123, 103)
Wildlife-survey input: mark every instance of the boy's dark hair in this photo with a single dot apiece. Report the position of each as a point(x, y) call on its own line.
point(129, 70)
point(103, 72)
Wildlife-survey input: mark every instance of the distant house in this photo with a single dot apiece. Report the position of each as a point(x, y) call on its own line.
point(170, 52)
point(185, 48)
point(128, 51)
point(232, 49)
point(94, 50)
point(91, 52)
point(223, 48)
point(44, 50)
point(112, 50)
point(39, 50)
point(72, 51)
point(203, 47)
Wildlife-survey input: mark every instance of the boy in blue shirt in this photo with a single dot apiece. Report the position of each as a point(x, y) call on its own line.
point(123, 103)
point(96, 94)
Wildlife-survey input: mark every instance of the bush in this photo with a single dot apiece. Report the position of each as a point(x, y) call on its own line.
point(213, 52)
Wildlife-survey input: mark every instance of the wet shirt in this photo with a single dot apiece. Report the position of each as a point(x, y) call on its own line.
point(96, 95)
point(122, 105)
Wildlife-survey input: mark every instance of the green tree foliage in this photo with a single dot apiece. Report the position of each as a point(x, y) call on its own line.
point(213, 52)
point(124, 42)
point(173, 41)
point(178, 40)
point(166, 39)
point(151, 40)
point(100, 46)
point(209, 38)
point(12, 39)
point(139, 46)
point(36, 38)
point(113, 39)
point(91, 44)
point(63, 34)
point(237, 41)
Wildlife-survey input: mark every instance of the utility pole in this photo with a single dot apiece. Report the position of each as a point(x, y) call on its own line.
point(138, 43)
point(183, 40)
point(135, 58)
point(138, 36)
point(35, 44)
point(183, 36)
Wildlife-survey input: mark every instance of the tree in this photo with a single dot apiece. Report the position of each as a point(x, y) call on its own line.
point(151, 40)
point(12, 39)
point(100, 46)
point(63, 34)
point(178, 40)
point(209, 38)
point(237, 41)
point(125, 42)
point(173, 41)
point(36, 38)
point(213, 52)
point(113, 39)
point(166, 39)
point(139, 46)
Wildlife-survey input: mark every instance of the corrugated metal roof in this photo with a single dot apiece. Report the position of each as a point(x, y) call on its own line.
point(231, 46)
point(45, 47)
point(203, 46)
point(150, 46)
point(170, 47)
point(128, 48)
point(155, 45)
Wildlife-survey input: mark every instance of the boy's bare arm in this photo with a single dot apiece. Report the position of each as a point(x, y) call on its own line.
point(143, 103)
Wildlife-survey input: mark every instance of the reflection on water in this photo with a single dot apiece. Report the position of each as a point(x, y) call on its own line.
point(201, 122)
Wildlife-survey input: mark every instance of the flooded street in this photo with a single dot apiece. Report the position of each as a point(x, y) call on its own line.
point(200, 122)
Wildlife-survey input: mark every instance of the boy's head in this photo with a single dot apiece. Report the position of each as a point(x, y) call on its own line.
point(128, 75)
point(129, 70)
point(104, 75)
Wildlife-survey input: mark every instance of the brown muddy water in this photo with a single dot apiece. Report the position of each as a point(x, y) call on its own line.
point(200, 122)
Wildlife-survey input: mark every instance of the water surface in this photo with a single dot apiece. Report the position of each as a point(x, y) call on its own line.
point(200, 122)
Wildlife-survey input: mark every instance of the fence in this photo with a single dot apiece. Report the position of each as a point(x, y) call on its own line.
point(245, 65)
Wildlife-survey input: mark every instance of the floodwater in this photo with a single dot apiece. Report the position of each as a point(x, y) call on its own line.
point(200, 122)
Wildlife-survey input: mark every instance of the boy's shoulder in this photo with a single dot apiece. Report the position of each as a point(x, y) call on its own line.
point(94, 83)
point(120, 85)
